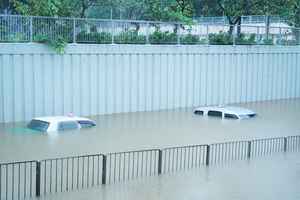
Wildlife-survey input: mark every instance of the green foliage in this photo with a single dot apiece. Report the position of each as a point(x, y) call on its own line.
point(39, 38)
point(130, 37)
point(220, 39)
point(267, 41)
point(16, 37)
point(94, 37)
point(246, 40)
point(159, 37)
point(179, 11)
point(43, 7)
point(58, 44)
point(190, 39)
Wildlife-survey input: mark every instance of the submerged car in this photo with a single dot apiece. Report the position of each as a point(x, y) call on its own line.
point(225, 112)
point(60, 123)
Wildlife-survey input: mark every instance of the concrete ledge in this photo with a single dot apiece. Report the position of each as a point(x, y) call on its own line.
point(34, 48)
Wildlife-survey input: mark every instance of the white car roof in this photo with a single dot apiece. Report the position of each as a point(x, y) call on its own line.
point(227, 109)
point(52, 119)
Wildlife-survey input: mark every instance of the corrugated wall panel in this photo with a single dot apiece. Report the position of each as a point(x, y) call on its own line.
point(1, 89)
point(86, 82)
point(8, 88)
point(298, 75)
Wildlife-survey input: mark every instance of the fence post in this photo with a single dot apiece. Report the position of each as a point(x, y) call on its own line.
point(112, 32)
point(147, 33)
point(285, 144)
point(159, 162)
point(74, 30)
point(30, 29)
point(178, 35)
point(104, 158)
point(207, 33)
point(38, 179)
point(207, 155)
point(249, 150)
point(234, 35)
point(257, 35)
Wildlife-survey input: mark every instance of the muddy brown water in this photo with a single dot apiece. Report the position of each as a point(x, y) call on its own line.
point(274, 178)
point(143, 130)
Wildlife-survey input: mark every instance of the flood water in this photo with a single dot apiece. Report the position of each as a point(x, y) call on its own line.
point(143, 130)
point(274, 178)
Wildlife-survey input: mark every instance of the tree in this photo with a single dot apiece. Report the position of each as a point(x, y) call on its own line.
point(43, 7)
point(207, 8)
point(4, 6)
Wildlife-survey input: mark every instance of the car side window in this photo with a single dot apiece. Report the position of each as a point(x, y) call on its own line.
point(231, 116)
point(67, 126)
point(86, 124)
point(214, 113)
point(198, 112)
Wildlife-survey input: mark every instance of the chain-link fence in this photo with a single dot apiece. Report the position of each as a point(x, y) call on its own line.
point(14, 28)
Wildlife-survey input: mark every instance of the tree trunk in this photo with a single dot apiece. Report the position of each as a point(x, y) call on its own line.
point(239, 27)
point(137, 26)
point(175, 29)
point(231, 25)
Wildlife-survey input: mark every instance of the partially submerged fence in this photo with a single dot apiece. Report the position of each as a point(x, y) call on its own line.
point(21, 180)
point(14, 28)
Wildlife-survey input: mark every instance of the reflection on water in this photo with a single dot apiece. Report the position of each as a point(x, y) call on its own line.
point(121, 132)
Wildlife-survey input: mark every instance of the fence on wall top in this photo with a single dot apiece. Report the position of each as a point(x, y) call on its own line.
point(15, 28)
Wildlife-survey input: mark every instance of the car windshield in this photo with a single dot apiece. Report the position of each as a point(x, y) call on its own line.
point(38, 125)
point(86, 123)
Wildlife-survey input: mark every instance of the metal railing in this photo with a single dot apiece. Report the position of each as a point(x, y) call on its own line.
point(20, 180)
point(125, 166)
point(15, 28)
point(181, 158)
point(70, 173)
point(224, 152)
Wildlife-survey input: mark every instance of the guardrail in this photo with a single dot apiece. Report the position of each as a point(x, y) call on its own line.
point(20, 180)
point(14, 28)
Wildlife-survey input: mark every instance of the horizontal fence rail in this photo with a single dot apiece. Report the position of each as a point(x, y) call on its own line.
point(15, 28)
point(23, 180)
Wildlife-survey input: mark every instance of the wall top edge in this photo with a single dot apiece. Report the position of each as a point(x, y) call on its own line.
point(32, 48)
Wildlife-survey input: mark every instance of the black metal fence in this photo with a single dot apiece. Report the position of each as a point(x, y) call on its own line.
point(125, 166)
point(264, 147)
point(18, 180)
point(22, 180)
point(70, 173)
point(224, 152)
point(181, 158)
